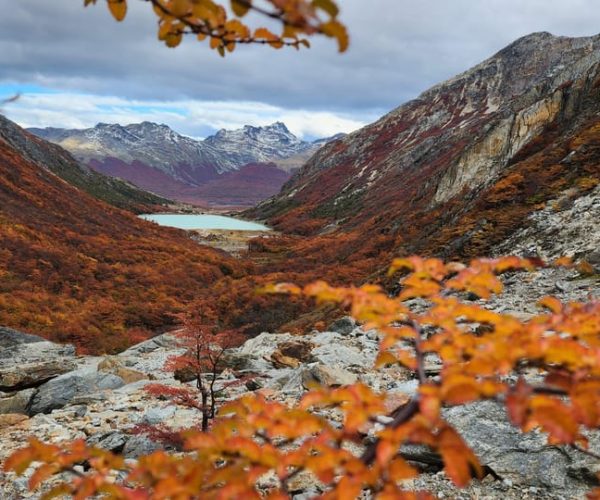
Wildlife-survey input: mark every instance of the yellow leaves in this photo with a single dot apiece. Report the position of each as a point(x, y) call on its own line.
point(337, 30)
point(460, 389)
point(236, 30)
point(551, 303)
point(554, 418)
point(479, 281)
point(208, 19)
point(358, 402)
point(511, 263)
point(328, 6)
point(460, 463)
point(478, 349)
point(179, 8)
point(240, 8)
point(20, 460)
point(264, 35)
point(429, 402)
point(432, 267)
point(118, 9)
point(400, 470)
point(385, 358)
point(563, 262)
point(585, 397)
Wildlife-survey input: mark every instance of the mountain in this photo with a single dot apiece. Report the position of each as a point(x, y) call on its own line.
point(74, 268)
point(462, 166)
point(60, 162)
point(156, 158)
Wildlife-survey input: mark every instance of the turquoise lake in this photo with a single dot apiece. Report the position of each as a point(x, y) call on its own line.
point(204, 221)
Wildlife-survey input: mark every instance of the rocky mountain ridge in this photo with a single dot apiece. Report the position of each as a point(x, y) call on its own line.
point(155, 157)
point(58, 161)
point(446, 151)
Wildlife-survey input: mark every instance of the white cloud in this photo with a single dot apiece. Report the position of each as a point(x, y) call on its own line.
point(191, 117)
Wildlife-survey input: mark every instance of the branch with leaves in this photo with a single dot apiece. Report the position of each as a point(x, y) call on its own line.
point(254, 436)
point(225, 29)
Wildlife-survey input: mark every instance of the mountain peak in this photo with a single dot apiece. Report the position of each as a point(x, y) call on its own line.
point(278, 126)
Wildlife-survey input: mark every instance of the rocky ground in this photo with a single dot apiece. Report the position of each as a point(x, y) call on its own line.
point(51, 393)
point(232, 242)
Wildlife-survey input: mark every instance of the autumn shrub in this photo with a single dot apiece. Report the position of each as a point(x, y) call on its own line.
point(204, 347)
point(485, 355)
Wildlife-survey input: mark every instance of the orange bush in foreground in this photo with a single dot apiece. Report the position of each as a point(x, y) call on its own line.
point(479, 349)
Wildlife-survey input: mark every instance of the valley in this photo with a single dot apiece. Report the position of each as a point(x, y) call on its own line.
point(238, 287)
point(402, 185)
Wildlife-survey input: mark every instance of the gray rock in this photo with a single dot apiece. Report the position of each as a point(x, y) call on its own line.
point(62, 390)
point(165, 340)
point(137, 446)
point(10, 337)
point(343, 326)
point(594, 259)
point(524, 459)
point(36, 351)
point(330, 376)
point(335, 349)
point(18, 376)
point(113, 441)
point(16, 402)
point(254, 355)
point(158, 415)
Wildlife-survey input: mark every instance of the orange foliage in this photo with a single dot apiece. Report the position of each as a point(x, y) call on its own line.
point(224, 29)
point(254, 436)
point(77, 270)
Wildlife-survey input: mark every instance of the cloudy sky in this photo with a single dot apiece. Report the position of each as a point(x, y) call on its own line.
point(75, 67)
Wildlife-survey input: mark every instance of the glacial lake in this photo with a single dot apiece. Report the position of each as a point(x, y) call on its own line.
point(204, 221)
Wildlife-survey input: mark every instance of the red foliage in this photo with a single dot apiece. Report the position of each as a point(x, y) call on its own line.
point(77, 270)
point(201, 362)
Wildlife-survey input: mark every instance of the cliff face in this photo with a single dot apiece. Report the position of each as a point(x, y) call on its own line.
point(451, 143)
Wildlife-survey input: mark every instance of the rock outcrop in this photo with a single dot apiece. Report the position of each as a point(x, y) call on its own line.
point(458, 169)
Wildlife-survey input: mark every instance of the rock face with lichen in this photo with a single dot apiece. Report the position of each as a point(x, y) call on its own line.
point(535, 105)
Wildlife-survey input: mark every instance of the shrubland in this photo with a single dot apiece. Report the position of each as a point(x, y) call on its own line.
point(545, 371)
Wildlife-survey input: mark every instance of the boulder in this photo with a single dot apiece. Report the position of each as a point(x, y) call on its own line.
point(62, 390)
point(158, 415)
point(25, 352)
point(280, 360)
point(112, 441)
point(185, 374)
point(335, 349)
point(16, 376)
point(330, 376)
point(16, 402)
point(522, 458)
point(255, 353)
point(343, 326)
point(139, 445)
point(10, 337)
point(115, 365)
point(296, 349)
point(166, 340)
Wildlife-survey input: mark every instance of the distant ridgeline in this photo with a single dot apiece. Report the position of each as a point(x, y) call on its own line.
point(233, 167)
